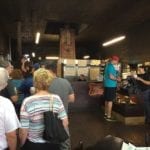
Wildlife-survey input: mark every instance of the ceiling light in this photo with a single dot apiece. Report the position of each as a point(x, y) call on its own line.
point(76, 61)
point(86, 57)
point(37, 38)
point(83, 27)
point(40, 58)
point(65, 61)
point(115, 40)
point(52, 57)
point(26, 55)
point(33, 54)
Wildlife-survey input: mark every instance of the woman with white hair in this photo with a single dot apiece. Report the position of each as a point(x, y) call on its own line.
point(9, 91)
point(8, 119)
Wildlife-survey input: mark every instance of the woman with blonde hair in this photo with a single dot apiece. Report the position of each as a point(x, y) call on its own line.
point(32, 113)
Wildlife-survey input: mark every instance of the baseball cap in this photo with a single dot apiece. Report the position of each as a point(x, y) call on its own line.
point(115, 57)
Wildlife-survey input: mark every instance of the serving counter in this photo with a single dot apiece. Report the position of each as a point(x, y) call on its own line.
point(129, 109)
point(89, 96)
point(86, 97)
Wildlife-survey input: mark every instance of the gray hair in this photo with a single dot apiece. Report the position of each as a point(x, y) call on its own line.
point(3, 78)
point(4, 63)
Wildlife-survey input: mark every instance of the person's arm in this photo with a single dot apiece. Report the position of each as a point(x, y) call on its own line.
point(12, 140)
point(23, 65)
point(71, 95)
point(12, 92)
point(112, 74)
point(11, 124)
point(65, 122)
point(62, 113)
point(25, 121)
point(112, 77)
point(144, 81)
point(23, 133)
point(71, 98)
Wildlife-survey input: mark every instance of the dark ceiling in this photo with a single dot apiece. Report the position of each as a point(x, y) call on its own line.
point(97, 20)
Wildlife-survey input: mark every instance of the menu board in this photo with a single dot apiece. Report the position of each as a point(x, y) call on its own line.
point(69, 71)
point(95, 62)
point(83, 70)
point(70, 62)
point(82, 63)
point(94, 73)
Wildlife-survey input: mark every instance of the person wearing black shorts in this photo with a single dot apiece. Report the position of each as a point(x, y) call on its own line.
point(110, 93)
point(110, 85)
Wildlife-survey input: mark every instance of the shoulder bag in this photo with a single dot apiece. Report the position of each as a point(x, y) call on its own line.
point(54, 131)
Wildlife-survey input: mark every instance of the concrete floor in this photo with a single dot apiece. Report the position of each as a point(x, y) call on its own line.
point(90, 127)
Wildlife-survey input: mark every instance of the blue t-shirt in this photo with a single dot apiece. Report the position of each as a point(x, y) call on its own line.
point(26, 85)
point(110, 69)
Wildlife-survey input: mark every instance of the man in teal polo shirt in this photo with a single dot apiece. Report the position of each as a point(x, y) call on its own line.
point(110, 85)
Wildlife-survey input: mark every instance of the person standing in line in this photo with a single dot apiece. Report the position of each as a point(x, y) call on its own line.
point(27, 87)
point(9, 91)
point(110, 85)
point(17, 79)
point(62, 88)
point(32, 110)
point(8, 119)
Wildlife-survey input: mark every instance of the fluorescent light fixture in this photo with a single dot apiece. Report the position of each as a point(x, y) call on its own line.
point(40, 58)
point(26, 55)
point(65, 61)
point(115, 40)
point(52, 57)
point(37, 38)
point(33, 54)
point(86, 57)
point(76, 61)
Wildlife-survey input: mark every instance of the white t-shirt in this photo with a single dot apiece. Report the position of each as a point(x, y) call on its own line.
point(8, 120)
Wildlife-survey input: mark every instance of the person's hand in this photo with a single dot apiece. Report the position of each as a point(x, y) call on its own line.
point(23, 60)
point(119, 79)
point(135, 76)
point(138, 78)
